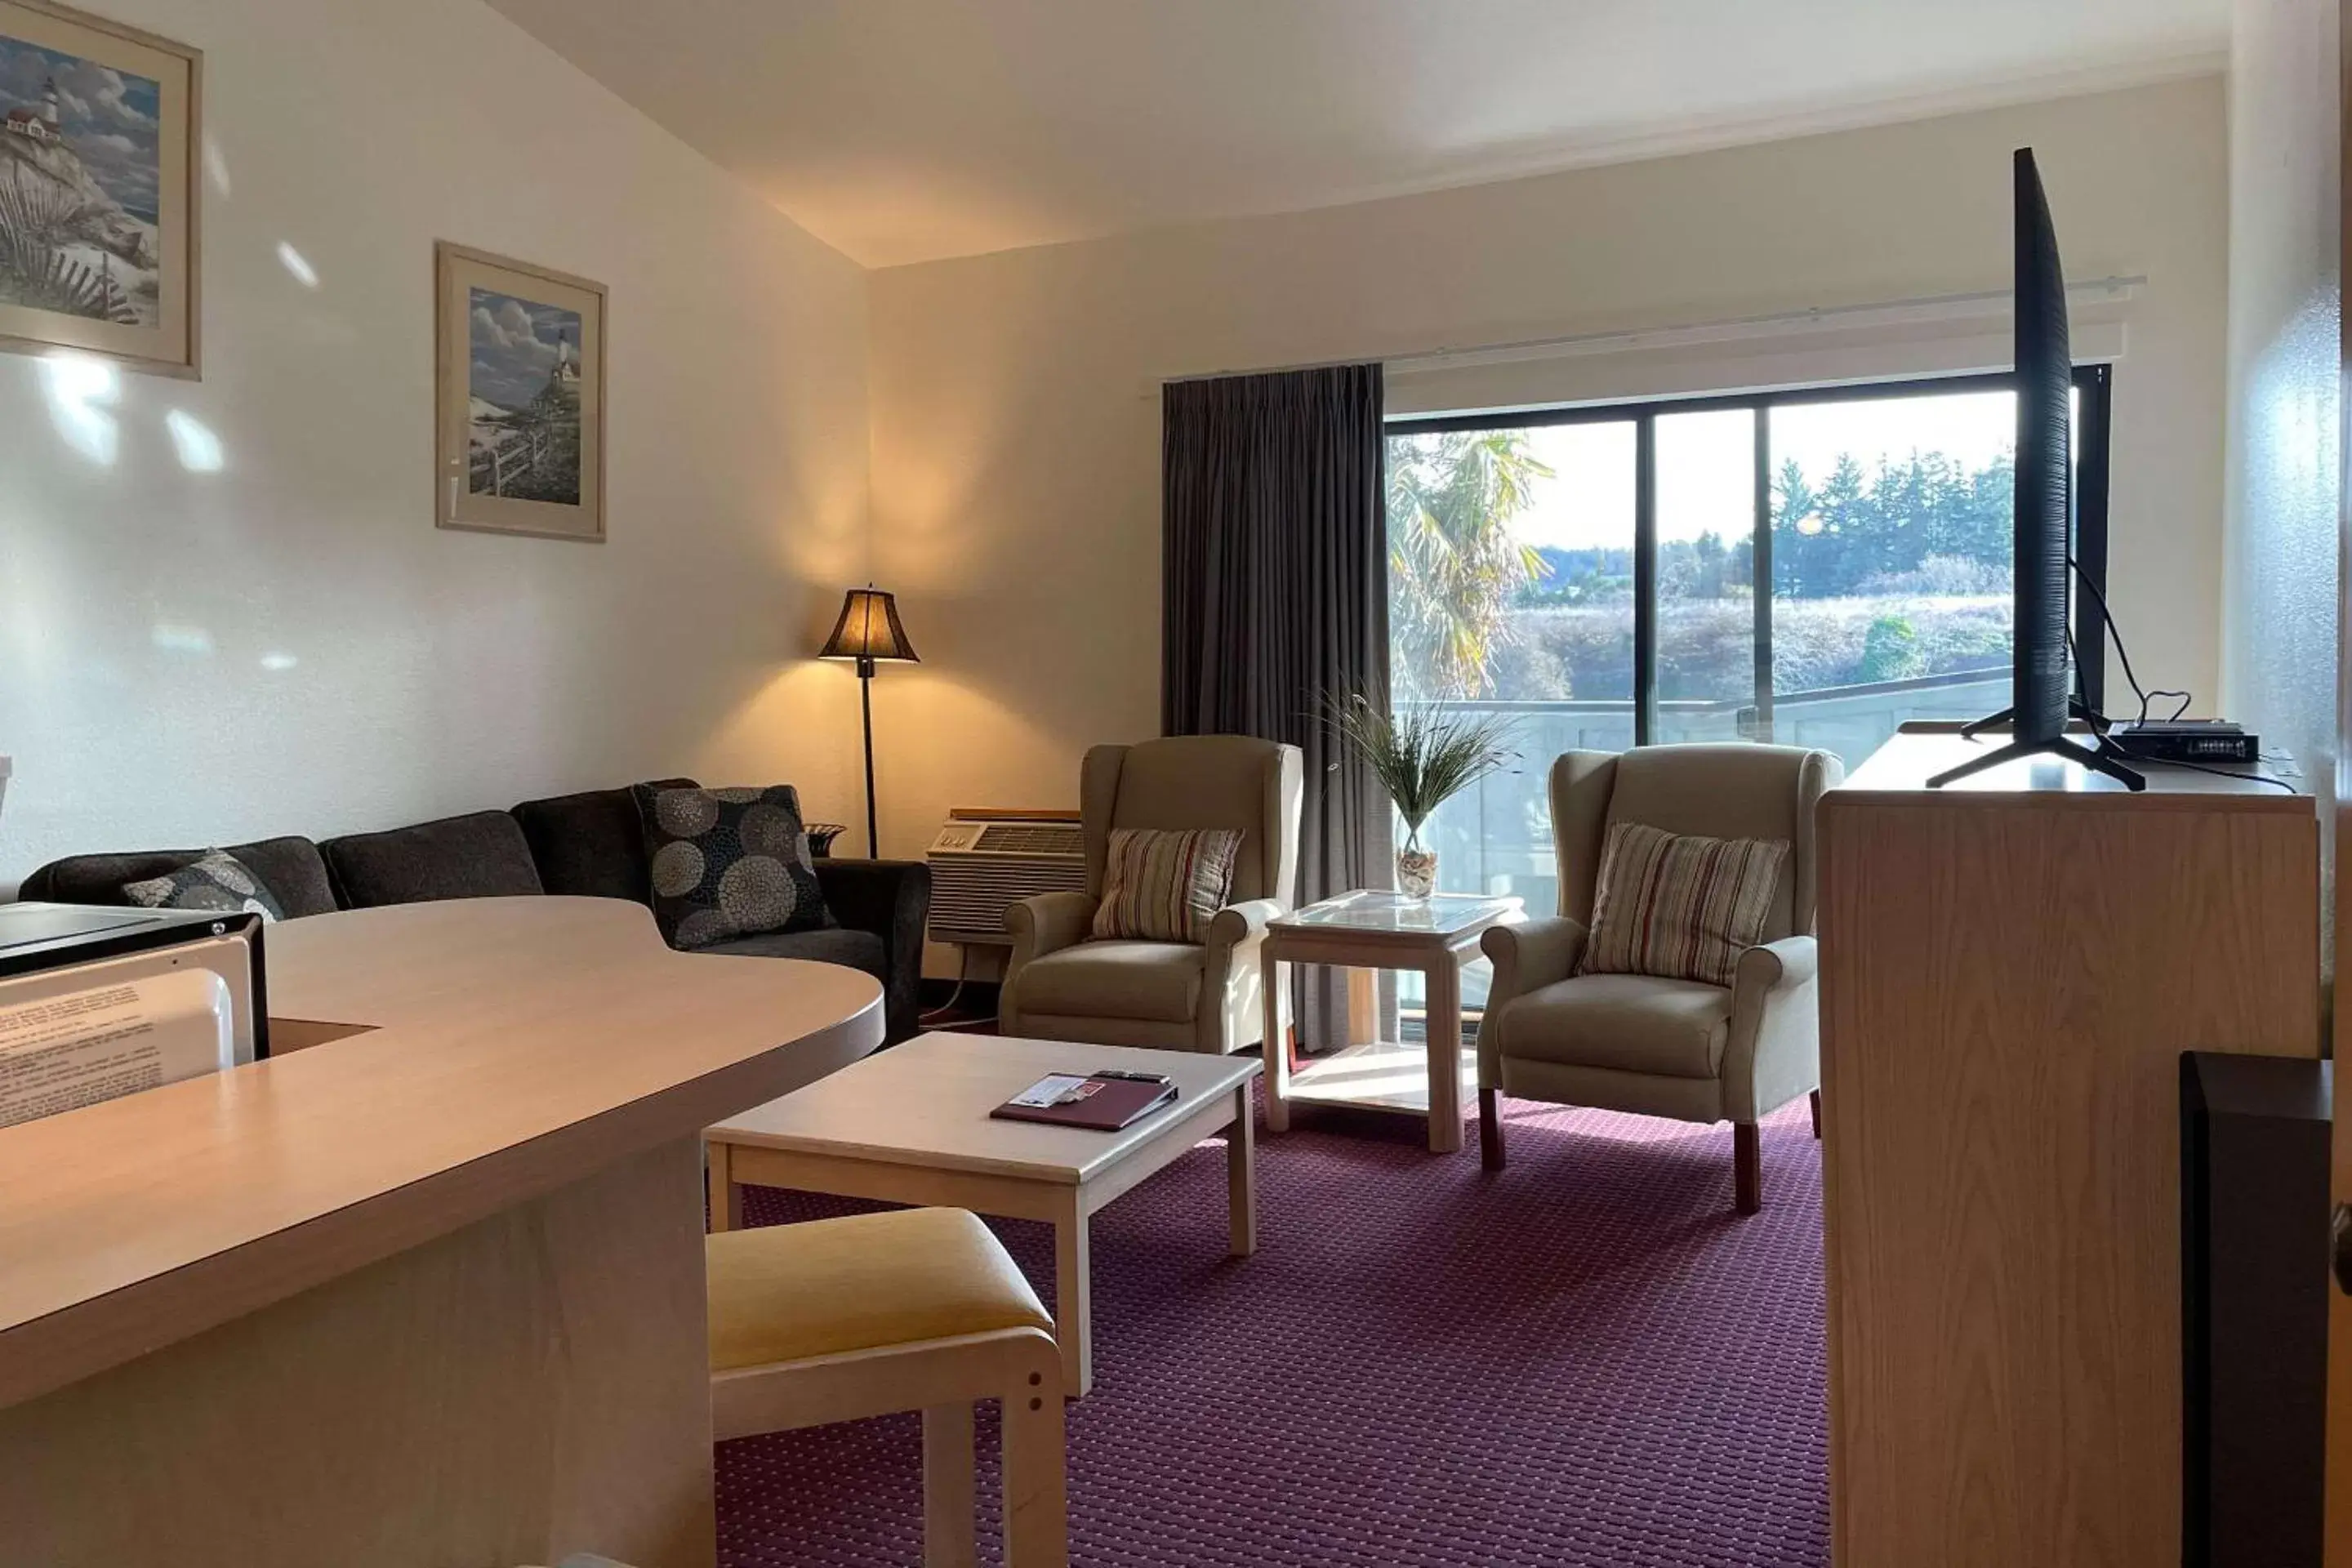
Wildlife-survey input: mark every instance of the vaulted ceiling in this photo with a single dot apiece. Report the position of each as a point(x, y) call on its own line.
point(903, 130)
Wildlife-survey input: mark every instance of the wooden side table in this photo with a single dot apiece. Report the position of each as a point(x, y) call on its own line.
point(1437, 935)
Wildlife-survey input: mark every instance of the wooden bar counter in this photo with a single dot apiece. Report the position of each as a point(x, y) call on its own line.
point(2011, 970)
point(425, 1294)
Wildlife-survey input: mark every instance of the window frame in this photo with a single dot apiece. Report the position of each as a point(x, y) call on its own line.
point(2094, 388)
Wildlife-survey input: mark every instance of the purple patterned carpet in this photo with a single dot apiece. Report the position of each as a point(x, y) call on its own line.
point(1586, 1359)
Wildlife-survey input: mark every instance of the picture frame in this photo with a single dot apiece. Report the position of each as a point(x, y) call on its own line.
point(518, 397)
point(101, 216)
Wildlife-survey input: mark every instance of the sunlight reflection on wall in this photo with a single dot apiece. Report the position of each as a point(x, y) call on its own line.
point(80, 389)
point(170, 639)
point(193, 440)
point(215, 167)
point(298, 265)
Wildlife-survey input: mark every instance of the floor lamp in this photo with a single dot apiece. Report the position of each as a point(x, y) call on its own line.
point(868, 631)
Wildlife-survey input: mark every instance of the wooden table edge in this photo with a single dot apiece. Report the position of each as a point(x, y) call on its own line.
point(63, 1347)
point(813, 1146)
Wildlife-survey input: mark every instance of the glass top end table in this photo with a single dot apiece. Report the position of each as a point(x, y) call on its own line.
point(1367, 930)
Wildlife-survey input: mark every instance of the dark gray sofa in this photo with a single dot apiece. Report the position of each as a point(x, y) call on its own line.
point(587, 844)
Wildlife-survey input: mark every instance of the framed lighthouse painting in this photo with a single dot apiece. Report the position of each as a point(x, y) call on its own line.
point(519, 397)
point(98, 202)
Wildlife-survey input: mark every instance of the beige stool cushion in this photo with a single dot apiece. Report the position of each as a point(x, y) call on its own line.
point(787, 1292)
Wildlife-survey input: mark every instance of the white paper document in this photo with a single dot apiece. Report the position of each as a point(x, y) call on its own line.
point(1059, 1088)
point(80, 1047)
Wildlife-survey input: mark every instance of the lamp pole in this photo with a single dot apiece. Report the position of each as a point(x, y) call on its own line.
point(866, 706)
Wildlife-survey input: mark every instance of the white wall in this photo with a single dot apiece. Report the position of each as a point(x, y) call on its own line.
point(288, 645)
point(1015, 424)
point(2284, 305)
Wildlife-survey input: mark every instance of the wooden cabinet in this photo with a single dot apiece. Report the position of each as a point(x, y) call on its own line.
point(2011, 970)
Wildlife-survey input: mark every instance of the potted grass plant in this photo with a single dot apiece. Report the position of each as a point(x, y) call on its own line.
point(1423, 756)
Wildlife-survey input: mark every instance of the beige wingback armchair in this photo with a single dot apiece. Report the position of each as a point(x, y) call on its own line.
point(1061, 984)
point(1635, 1042)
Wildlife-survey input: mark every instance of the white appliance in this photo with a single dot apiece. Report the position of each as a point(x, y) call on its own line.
point(99, 1003)
point(983, 862)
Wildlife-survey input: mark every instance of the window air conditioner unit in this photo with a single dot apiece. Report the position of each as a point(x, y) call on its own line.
point(983, 862)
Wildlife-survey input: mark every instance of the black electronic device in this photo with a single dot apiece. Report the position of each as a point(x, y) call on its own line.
point(2210, 741)
point(2254, 1135)
point(2040, 705)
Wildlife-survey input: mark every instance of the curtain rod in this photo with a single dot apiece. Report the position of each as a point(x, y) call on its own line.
point(1917, 309)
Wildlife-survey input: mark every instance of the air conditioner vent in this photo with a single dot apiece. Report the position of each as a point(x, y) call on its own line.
point(980, 867)
point(1032, 838)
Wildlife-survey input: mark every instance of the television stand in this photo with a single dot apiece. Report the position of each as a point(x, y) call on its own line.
point(2102, 757)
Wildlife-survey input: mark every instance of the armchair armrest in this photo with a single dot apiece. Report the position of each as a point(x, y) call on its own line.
point(1791, 961)
point(1043, 924)
point(892, 899)
point(1530, 956)
point(1235, 932)
point(1774, 1051)
point(1237, 922)
point(1047, 922)
point(1527, 957)
point(1232, 975)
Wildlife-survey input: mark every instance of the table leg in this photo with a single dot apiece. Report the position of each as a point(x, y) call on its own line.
point(1241, 1177)
point(1277, 1049)
point(1074, 1299)
point(1445, 1016)
point(1363, 1006)
point(726, 1196)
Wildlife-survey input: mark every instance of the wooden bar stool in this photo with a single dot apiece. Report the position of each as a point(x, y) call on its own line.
point(837, 1320)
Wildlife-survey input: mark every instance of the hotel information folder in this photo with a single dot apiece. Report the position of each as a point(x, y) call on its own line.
point(1104, 1102)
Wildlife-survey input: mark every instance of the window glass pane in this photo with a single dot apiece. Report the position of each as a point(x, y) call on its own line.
point(1511, 590)
point(1891, 564)
point(1707, 597)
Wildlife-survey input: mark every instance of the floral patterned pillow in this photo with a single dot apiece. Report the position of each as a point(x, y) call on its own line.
point(729, 863)
point(214, 880)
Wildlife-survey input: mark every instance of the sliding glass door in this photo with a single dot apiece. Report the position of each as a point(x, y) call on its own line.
point(1811, 567)
point(1707, 655)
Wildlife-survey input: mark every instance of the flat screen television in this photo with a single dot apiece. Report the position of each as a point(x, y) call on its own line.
point(2039, 688)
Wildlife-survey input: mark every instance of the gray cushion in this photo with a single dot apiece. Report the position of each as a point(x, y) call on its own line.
point(1159, 981)
point(1633, 1023)
point(481, 855)
point(834, 944)
point(290, 867)
point(590, 845)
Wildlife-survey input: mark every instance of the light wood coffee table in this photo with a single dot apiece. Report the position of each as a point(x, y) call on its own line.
point(910, 1125)
point(1437, 935)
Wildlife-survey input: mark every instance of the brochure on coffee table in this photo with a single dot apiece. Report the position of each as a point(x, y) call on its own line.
point(1104, 1102)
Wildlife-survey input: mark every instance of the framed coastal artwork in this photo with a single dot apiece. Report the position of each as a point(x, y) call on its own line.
point(520, 397)
point(97, 203)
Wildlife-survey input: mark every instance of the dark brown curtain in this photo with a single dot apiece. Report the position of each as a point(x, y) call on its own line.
point(1275, 584)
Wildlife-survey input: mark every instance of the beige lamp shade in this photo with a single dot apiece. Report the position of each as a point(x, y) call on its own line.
point(868, 629)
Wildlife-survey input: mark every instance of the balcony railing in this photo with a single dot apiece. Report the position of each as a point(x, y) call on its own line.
point(1496, 838)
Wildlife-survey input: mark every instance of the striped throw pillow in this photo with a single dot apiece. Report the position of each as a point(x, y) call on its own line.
point(1681, 907)
point(1162, 886)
